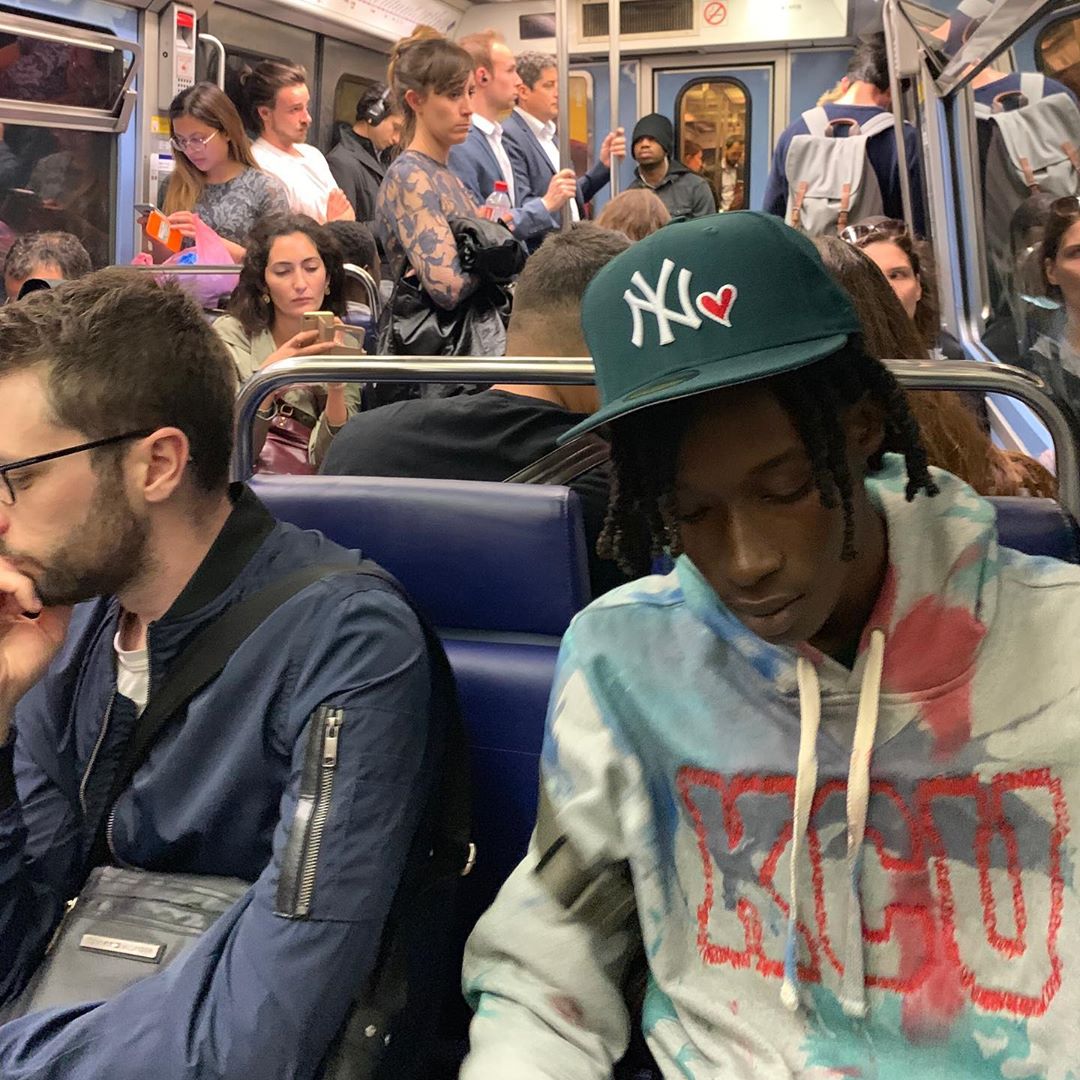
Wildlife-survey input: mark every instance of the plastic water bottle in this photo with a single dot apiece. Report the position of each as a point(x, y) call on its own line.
point(497, 204)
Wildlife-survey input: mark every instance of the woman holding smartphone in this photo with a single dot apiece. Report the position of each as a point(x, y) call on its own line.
point(292, 266)
point(216, 175)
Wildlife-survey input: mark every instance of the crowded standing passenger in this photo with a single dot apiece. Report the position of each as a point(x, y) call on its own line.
point(684, 193)
point(481, 158)
point(498, 432)
point(530, 137)
point(866, 96)
point(115, 498)
point(359, 160)
point(292, 266)
point(215, 174)
point(433, 84)
point(730, 174)
point(778, 775)
point(636, 212)
point(43, 257)
point(1057, 357)
point(276, 99)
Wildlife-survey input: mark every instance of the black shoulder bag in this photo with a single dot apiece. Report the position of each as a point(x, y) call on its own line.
point(127, 923)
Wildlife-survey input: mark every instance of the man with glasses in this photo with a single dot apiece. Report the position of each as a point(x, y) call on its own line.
point(121, 541)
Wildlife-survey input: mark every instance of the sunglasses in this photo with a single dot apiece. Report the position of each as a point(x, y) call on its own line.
point(881, 230)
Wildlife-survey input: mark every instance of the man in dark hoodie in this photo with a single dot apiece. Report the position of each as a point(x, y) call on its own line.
point(357, 161)
point(684, 193)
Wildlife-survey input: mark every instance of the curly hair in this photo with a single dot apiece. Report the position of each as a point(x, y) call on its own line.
point(641, 522)
point(249, 301)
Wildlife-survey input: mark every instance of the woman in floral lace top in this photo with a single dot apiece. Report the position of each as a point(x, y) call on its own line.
point(432, 79)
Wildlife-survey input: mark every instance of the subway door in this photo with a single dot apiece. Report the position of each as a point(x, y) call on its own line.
point(713, 107)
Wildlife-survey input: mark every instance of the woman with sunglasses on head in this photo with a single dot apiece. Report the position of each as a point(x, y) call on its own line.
point(216, 175)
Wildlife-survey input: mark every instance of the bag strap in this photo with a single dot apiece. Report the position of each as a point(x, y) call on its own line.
point(877, 124)
point(565, 463)
point(201, 662)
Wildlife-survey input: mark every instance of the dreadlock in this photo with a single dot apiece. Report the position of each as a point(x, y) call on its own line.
point(641, 522)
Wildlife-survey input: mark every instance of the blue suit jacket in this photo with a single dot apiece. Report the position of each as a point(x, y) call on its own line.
point(474, 163)
point(530, 158)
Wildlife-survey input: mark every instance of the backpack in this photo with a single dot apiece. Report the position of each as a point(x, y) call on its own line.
point(1028, 150)
point(830, 178)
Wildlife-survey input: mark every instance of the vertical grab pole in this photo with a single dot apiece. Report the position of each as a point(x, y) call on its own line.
point(562, 56)
point(614, 29)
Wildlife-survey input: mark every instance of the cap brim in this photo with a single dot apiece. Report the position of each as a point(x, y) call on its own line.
point(711, 375)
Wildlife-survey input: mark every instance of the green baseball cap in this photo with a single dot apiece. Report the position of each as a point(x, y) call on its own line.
point(708, 303)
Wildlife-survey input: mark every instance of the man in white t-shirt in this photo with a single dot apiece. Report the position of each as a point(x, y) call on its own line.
point(277, 100)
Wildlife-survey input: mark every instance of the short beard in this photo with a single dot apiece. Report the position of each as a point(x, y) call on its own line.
point(104, 554)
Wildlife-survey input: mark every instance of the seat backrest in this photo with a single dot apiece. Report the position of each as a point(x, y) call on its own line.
point(1037, 527)
point(500, 569)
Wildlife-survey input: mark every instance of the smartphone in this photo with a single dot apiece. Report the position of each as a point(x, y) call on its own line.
point(158, 228)
point(323, 321)
point(145, 208)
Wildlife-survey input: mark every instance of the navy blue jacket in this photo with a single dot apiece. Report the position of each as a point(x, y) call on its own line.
point(881, 150)
point(474, 163)
point(530, 158)
point(262, 993)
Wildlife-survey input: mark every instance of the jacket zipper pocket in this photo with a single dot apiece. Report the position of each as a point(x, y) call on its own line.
point(300, 863)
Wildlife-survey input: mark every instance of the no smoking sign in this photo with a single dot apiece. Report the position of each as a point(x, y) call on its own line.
point(715, 12)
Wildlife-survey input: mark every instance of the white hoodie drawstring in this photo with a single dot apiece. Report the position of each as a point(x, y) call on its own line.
point(853, 985)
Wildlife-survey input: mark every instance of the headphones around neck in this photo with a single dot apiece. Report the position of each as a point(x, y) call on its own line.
point(379, 110)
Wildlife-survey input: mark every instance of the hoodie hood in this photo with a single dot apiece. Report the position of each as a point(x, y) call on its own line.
point(914, 664)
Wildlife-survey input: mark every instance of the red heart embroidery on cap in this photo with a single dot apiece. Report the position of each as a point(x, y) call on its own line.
point(717, 306)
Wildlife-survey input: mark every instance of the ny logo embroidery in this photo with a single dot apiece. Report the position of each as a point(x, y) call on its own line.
point(654, 301)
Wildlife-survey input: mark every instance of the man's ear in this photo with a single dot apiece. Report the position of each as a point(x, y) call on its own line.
point(482, 76)
point(158, 463)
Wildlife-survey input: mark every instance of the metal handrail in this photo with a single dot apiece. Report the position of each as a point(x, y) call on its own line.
point(577, 371)
point(193, 271)
point(358, 273)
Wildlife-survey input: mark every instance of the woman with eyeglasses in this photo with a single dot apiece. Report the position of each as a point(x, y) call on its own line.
point(216, 175)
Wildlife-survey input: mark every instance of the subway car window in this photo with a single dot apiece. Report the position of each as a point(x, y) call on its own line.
point(581, 121)
point(1058, 52)
point(346, 94)
point(57, 179)
point(54, 73)
point(713, 126)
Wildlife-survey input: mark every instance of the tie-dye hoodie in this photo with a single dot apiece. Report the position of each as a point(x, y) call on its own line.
point(946, 946)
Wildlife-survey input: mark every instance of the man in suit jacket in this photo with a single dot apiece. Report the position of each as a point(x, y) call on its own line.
point(529, 133)
point(483, 158)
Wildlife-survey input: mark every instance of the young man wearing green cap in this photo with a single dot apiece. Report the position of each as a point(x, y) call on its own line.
point(824, 770)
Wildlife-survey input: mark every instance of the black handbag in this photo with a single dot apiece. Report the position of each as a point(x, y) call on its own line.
point(412, 324)
point(128, 923)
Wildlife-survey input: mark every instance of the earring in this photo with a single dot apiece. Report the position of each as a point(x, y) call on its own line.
point(265, 298)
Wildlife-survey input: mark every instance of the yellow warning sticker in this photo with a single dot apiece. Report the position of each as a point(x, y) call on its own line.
point(159, 125)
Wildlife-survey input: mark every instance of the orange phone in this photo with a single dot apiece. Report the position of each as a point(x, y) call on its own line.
point(158, 228)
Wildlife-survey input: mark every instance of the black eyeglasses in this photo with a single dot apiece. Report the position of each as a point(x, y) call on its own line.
point(7, 491)
point(865, 234)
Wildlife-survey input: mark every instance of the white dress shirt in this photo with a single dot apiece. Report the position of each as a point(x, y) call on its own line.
point(545, 134)
point(492, 131)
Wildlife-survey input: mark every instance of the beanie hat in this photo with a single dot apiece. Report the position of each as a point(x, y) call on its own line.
point(655, 126)
point(708, 303)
